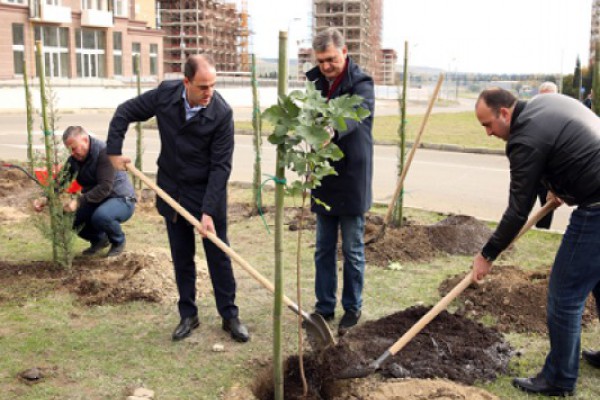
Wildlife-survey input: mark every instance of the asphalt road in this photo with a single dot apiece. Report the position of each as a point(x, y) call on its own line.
point(461, 183)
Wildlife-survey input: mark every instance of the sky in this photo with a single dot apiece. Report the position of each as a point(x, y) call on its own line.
point(499, 36)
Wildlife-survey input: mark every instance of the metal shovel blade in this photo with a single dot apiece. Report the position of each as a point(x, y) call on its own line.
point(317, 331)
point(362, 371)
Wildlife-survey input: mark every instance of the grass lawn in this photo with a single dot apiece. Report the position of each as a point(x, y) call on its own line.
point(97, 352)
point(461, 129)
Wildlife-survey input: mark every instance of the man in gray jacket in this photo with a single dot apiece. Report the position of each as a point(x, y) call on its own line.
point(555, 139)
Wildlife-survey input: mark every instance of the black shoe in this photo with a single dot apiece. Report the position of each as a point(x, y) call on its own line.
point(328, 317)
point(116, 249)
point(592, 357)
point(185, 328)
point(349, 319)
point(96, 247)
point(238, 331)
point(539, 385)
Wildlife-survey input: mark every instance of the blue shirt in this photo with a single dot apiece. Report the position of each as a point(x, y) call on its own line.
point(189, 110)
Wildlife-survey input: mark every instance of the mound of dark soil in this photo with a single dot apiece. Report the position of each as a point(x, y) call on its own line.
point(515, 298)
point(455, 235)
point(450, 347)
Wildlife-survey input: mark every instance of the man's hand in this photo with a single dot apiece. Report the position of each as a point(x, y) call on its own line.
point(119, 162)
point(70, 206)
point(481, 267)
point(40, 203)
point(207, 225)
point(551, 197)
point(331, 132)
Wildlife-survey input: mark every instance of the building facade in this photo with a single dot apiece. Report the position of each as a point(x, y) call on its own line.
point(81, 39)
point(595, 29)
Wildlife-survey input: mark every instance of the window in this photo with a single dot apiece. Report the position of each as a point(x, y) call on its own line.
point(14, 1)
point(90, 47)
point(55, 42)
point(120, 8)
point(18, 47)
point(118, 53)
point(90, 4)
point(136, 50)
point(153, 59)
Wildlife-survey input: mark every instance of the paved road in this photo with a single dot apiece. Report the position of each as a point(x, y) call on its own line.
point(472, 184)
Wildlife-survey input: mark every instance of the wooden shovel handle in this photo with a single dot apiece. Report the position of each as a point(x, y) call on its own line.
point(462, 285)
point(211, 236)
point(388, 215)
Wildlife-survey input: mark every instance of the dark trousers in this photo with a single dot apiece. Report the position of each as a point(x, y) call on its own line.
point(182, 240)
point(575, 274)
point(96, 221)
point(545, 222)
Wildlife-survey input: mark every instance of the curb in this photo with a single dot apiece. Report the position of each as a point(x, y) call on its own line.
point(428, 146)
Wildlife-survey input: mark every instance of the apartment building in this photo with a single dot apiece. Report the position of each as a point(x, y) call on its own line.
point(360, 22)
point(82, 39)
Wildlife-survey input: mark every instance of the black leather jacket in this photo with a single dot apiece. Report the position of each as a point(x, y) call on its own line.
point(555, 139)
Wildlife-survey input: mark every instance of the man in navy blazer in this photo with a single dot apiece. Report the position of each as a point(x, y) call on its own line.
point(348, 193)
point(197, 134)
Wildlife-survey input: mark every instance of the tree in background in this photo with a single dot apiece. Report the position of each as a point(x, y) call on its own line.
point(577, 79)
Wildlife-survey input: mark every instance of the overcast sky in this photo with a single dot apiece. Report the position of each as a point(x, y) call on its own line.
point(503, 36)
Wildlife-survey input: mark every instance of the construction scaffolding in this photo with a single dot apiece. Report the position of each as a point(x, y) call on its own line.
point(207, 27)
point(360, 22)
point(595, 31)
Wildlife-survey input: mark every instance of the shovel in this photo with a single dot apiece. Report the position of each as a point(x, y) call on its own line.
point(317, 330)
point(362, 371)
point(411, 155)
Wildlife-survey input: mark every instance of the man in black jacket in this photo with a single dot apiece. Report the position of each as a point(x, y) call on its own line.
point(555, 139)
point(107, 196)
point(196, 131)
point(347, 194)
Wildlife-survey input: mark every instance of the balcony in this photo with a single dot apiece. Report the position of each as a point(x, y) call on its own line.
point(52, 14)
point(96, 18)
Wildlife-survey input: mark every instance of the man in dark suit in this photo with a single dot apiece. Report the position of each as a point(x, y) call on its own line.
point(196, 131)
point(348, 194)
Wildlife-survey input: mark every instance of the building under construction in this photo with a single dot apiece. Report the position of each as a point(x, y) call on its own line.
point(595, 32)
point(360, 22)
point(214, 28)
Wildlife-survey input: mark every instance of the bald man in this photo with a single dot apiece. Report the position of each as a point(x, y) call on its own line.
point(196, 132)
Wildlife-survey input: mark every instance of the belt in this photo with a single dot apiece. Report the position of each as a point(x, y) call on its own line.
point(591, 205)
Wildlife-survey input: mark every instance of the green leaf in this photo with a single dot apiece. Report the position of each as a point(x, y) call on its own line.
point(319, 202)
point(313, 135)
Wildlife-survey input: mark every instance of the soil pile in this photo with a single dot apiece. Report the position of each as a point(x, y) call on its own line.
point(515, 298)
point(455, 235)
point(450, 347)
point(129, 277)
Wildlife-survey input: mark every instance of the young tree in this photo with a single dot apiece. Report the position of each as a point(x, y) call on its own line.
point(257, 138)
point(58, 228)
point(577, 79)
point(301, 133)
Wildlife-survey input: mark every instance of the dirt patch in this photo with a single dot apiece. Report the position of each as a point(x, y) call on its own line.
point(455, 235)
point(16, 194)
point(129, 277)
point(411, 389)
point(450, 347)
point(515, 298)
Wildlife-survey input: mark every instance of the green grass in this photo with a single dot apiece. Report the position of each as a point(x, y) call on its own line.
point(460, 129)
point(97, 352)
